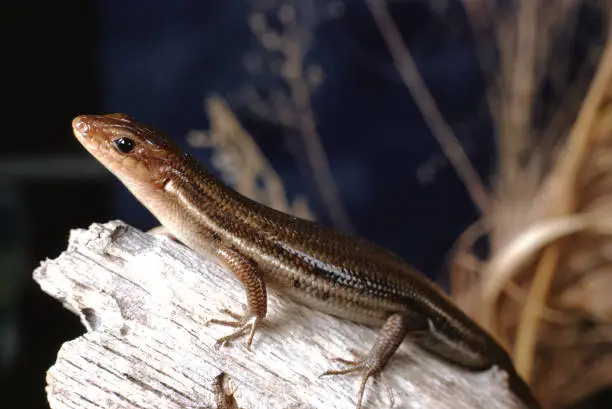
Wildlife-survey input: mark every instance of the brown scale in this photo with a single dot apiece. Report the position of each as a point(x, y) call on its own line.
point(323, 268)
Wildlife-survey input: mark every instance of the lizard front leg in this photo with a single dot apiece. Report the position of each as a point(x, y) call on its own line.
point(247, 271)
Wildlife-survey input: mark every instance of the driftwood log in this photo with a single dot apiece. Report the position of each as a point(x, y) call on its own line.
point(144, 301)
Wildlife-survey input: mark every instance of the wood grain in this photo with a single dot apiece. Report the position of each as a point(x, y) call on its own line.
point(144, 301)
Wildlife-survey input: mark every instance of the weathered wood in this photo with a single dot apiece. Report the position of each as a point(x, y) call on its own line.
point(144, 301)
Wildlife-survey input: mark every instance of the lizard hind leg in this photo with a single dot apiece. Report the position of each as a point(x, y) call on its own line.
point(389, 339)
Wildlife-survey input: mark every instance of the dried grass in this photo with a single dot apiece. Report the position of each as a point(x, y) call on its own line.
point(283, 30)
point(543, 292)
point(241, 162)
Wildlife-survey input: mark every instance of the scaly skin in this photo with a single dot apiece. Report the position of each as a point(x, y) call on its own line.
point(323, 268)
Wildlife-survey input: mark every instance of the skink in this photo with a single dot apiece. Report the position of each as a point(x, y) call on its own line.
point(320, 267)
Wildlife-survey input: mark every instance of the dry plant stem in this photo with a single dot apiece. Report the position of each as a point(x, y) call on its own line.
point(579, 139)
point(525, 36)
point(481, 16)
point(227, 131)
point(144, 301)
point(526, 245)
point(318, 159)
point(227, 136)
point(521, 71)
point(293, 48)
point(527, 332)
point(440, 129)
point(580, 135)
point(460, 283)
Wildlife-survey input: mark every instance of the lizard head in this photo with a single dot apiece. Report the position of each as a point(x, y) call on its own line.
point(136, 153)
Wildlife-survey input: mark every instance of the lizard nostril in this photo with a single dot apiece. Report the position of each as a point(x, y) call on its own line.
point(80, 125)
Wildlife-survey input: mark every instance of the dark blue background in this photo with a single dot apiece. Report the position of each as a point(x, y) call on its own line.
point(159, 60)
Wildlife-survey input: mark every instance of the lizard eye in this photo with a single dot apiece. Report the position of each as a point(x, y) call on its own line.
point(124, 145)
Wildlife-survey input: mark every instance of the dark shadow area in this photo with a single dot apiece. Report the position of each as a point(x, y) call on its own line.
point(48, 185)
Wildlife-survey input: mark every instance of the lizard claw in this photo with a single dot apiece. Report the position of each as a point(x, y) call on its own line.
point(237, 319)
point(357, 358)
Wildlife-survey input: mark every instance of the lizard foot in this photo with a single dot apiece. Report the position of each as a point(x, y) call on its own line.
point(245, 324)
point(370, 366)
